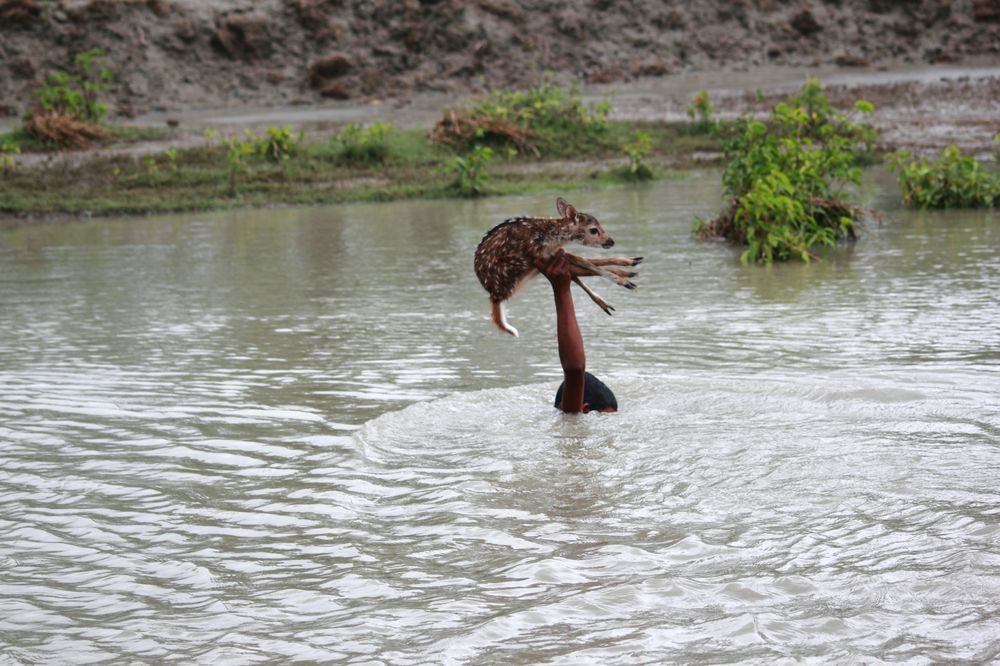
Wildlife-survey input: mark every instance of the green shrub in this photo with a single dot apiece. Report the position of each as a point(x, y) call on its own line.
point(782, 180)
point(279, 144)
point(77, 93)
point(700, 111)
point(470, 176)
point(953, 181)
point(636, 151)
point(237, 152)
point(8, 150)
point(529, 121)
point(356, 144)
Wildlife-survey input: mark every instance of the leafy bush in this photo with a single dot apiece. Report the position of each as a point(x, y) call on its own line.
point(8, 150)
point(700, 111)
point(636, 151)
point(77, 93)
point(279, 144)
point(368, 144)
point(782, 177)
point(470, 176)
point(69, 109)
point(527, 121)
point(953, 181)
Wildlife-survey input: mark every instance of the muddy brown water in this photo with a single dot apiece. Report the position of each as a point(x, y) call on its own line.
point(292, 435)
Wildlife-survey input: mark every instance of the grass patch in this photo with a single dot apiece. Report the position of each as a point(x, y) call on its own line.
point(242, 171)
point(544, 120)
point(502, 145)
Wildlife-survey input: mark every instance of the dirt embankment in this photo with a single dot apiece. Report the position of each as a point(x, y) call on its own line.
point(183, 54)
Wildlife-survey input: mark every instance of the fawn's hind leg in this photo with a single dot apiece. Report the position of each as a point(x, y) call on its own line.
point(603, 304)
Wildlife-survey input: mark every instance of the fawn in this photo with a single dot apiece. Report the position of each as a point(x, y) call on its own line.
point(505, 258)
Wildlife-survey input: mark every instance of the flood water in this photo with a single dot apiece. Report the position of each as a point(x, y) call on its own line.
point(293, 435)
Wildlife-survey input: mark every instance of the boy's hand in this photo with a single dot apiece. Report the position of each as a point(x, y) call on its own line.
point(556, 269)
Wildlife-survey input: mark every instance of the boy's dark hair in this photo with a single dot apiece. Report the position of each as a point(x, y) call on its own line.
point(595, 393)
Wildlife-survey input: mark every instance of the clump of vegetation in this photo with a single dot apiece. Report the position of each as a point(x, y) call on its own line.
point(530, 121)
point(279, 144)
point(470, 172)
point(237, 152)
point(952, 181)
point(363, 145)
point(8, 151)
point(61, 130)
point(637, 151)
point(782, 180)
point(69, 109)
point(78, 93)
point(171, 155)
point(700, 112)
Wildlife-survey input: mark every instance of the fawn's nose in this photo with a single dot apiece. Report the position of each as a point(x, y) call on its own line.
point(608, 243)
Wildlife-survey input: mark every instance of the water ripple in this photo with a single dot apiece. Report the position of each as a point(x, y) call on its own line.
point(221, 443)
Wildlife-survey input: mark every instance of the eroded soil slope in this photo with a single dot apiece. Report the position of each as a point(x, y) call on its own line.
point(175, 54)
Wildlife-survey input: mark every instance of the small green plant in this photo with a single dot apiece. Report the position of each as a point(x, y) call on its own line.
point(470, 176)
point(700, 112)
point(782, 178)
point(8, 150)
point(360, 145)
point(279, 144)
point(77, 93)
point(238, 150)
point(171, 155)
point(637, 151)
point(151, 168)
point(952, 181)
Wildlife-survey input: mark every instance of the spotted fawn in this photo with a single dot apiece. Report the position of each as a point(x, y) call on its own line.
point(505, 258)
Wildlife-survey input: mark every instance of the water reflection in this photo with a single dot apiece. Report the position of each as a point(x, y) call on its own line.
point(292, 434)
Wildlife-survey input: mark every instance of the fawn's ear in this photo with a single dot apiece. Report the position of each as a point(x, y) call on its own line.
point(565, 210)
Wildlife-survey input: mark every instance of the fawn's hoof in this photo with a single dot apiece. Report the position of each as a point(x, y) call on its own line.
point(637, 260)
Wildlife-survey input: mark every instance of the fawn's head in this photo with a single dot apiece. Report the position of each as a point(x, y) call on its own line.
point(580, 227)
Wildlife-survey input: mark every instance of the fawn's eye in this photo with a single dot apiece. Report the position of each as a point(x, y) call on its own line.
point(593, 231)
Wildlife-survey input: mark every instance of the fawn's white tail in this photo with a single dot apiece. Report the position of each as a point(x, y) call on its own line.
point(499, 317)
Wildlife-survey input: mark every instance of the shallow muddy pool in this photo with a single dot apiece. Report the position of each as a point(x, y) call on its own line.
point(293, 435)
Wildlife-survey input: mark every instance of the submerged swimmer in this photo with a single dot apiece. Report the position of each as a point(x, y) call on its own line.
point(580, 390)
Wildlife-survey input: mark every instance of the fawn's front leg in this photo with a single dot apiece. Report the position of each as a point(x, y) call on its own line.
point(618, 276)
point(616, 261)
